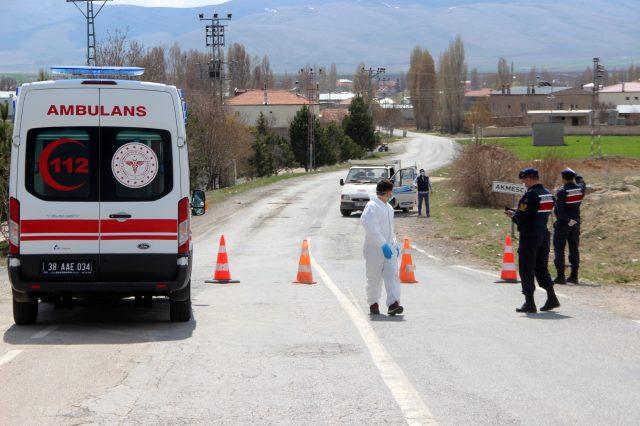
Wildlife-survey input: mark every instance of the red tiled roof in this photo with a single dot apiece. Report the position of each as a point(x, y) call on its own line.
point(478, 93)
point(274, 97)
point(633, 86)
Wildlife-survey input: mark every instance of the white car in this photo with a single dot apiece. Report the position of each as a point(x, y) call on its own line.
point(99, 193)
point(361, 181)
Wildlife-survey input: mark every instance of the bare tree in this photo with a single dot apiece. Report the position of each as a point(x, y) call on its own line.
point(504, 73)
point(361, 83)
point(421, 81)
point(239, 63)
point(452, 77)
point(475, 79)
point(478, 117)
point(332, 78)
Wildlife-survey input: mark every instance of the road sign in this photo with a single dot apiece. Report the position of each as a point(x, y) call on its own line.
point(508, 188)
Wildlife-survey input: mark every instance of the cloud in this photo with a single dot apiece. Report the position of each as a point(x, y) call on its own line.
point(171, 3)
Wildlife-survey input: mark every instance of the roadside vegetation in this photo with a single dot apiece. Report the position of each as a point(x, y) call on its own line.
point(576, 147)
point(468, 222)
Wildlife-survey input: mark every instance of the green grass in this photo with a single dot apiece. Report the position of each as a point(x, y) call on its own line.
point(220, 195)
point(576, 147)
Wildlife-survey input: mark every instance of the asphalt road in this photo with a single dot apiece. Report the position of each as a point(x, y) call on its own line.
point(268, 351)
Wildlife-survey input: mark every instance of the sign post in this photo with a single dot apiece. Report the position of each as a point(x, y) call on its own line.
point(509, 188)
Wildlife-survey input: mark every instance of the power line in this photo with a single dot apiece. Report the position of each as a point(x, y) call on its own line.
point(215, 38)
point(90, 16)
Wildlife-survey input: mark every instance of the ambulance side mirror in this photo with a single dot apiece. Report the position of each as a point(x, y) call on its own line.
point(198, 202)
point(341, 182)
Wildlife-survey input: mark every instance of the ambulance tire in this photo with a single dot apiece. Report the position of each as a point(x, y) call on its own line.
point(25, 313)
point(345, 213)
point(180, 310)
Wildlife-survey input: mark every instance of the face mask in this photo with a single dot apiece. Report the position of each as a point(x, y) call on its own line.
point(421, 173)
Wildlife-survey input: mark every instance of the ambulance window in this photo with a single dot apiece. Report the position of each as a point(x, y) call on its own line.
point(136, 164)
point(61, 164)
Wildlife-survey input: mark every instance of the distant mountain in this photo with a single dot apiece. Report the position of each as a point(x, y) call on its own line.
point(558, 34)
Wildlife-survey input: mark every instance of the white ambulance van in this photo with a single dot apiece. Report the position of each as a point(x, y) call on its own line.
point(99, 193)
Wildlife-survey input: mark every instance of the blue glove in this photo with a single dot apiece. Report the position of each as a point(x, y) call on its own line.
point(386, 250)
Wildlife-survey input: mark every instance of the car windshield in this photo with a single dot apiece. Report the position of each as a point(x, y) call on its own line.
point(366, 175)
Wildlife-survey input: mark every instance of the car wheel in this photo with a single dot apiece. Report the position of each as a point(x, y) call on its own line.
point(405, 210)
point(25, 313)
point(345, 213)
point(180, 310)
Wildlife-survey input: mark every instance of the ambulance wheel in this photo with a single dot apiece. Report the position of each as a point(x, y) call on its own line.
point(180, 310)
point(345, 213)
point(25, 313)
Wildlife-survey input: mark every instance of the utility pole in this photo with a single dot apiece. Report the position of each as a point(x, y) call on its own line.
point(312, 95)
point(90, 16)
point(598, 75)
point(371, 74)
point(215, 39)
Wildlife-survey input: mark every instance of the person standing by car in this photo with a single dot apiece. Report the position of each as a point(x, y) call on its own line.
point(423, 183)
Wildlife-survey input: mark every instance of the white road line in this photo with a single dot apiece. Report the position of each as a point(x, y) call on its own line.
point(44, 332)
point(638, 321)
point(479, 271)
point(414, 409)
point(9, 356)
point(430, 256)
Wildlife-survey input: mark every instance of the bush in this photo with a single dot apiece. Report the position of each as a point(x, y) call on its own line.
point(550, 167)
point(476, 168)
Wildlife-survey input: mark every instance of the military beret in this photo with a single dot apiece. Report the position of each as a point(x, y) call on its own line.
point(568, 173)
point(528, 172)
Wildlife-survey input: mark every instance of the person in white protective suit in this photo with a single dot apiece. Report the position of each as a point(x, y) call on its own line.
point(381, 250)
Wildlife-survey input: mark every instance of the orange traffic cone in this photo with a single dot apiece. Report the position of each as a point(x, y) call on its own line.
point(508, 274)
point(304, 266)
point(222, 274)
point(407, 267)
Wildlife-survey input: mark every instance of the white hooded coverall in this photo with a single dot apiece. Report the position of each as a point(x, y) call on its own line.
point(377, 220)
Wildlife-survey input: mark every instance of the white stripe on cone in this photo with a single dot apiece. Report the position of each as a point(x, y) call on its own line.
point(222, 267)
point(304, 268)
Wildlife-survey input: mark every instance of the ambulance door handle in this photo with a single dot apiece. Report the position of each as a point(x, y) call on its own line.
point(120, 216)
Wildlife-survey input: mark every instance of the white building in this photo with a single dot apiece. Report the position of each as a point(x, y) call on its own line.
point(278, 106)
point(620, 94)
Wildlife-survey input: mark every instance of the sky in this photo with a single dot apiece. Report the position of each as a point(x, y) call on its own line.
point(170, 3)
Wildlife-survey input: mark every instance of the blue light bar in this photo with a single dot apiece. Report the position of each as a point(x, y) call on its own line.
point(87, 70)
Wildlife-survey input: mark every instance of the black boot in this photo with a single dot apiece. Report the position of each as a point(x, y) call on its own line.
point(552, 300)
point(529, 306)
point(573, 278)
point(560, 279)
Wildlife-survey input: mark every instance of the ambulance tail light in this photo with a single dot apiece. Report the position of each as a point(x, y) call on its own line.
point(184, 227)
point(14, 226)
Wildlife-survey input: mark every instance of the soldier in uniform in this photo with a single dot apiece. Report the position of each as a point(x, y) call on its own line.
point(531, 217)
point(567, 225)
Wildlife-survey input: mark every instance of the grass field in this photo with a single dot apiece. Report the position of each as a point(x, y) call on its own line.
point(577, 147)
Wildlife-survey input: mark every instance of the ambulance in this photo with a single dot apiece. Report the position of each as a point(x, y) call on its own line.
point(99, 192)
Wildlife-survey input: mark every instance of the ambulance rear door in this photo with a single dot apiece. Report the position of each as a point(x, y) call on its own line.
point(139, 185)
point(57, 184)
point(404, 192)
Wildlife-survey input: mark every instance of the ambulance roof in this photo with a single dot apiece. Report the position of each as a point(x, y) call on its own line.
point(98, 83)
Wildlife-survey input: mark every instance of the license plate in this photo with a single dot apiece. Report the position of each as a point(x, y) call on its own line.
point(66, 267)
point(361, 204)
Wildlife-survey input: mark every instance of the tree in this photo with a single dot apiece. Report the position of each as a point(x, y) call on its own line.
point(332, 78)
point(387, 118)
point(504, 74)
point(271, 153)
point(452, 77)
point(299, 136)
point(8, 83)
point(239, 63)
point(358, 125)
point(5, 154)
point(422, 83)
point(478, 117)
point(475, 79)
point(362, 84)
